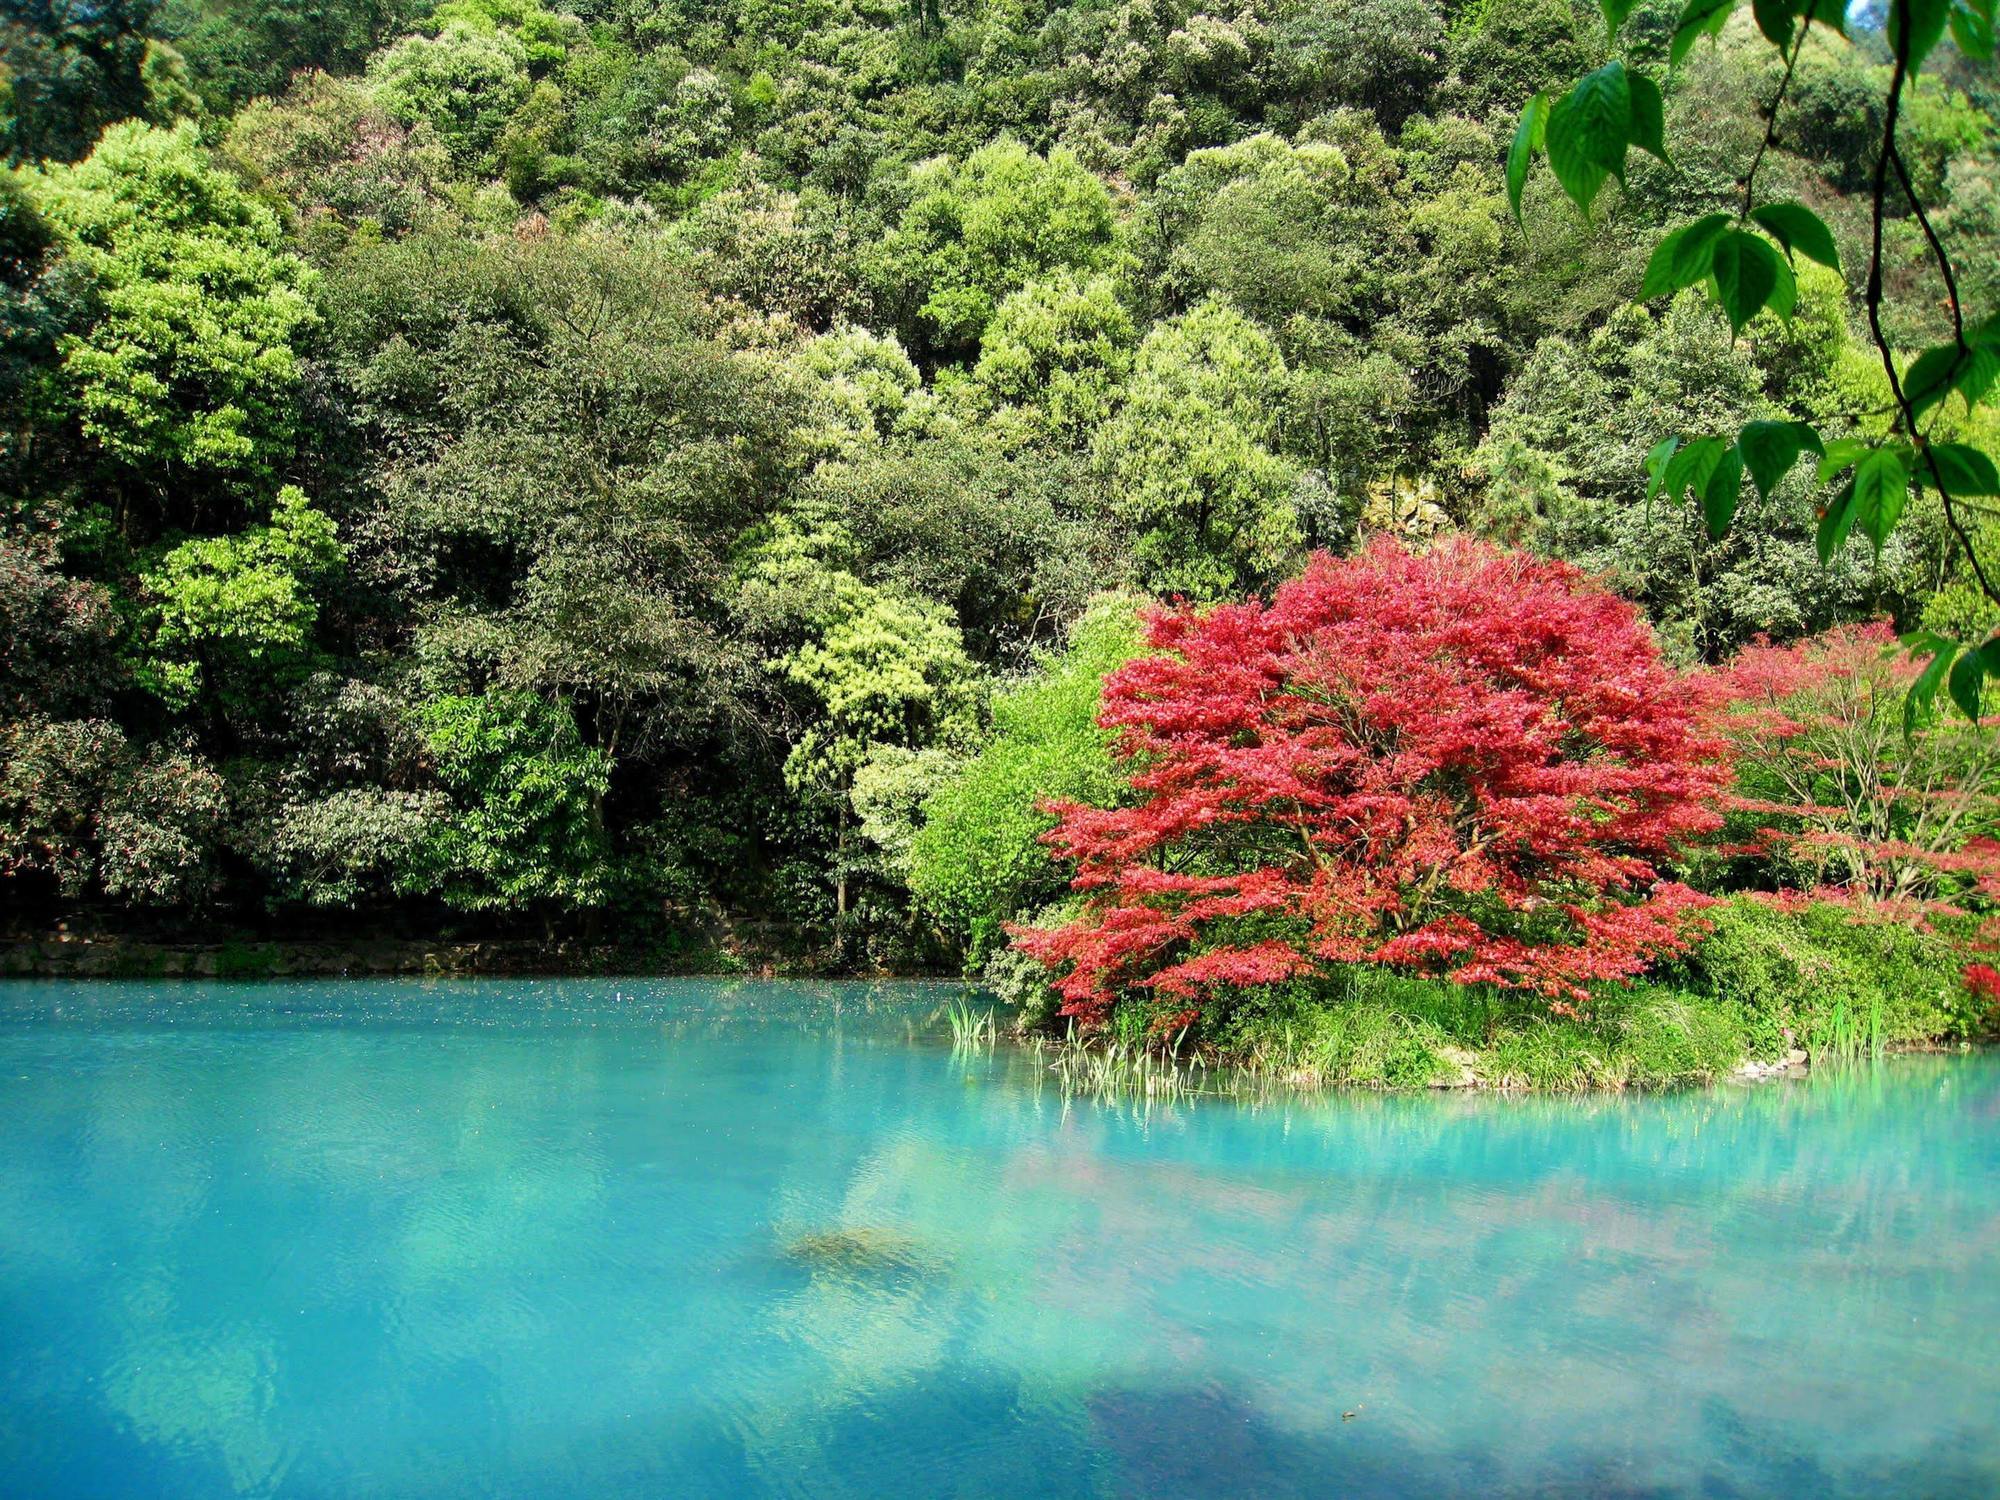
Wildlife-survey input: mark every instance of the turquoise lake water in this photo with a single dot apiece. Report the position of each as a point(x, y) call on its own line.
point(601, 1238)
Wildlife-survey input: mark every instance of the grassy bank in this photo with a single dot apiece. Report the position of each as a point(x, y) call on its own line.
point(1766, 986)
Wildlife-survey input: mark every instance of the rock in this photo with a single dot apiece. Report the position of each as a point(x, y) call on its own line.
point(1464, 1069)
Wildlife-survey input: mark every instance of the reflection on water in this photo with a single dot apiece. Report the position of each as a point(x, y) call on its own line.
point(604, 1238)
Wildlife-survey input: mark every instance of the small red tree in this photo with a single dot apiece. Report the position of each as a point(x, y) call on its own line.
point(1462, 763)
point(1842, 790)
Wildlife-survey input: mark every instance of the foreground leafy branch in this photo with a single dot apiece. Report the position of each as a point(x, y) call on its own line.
point(1746, 264)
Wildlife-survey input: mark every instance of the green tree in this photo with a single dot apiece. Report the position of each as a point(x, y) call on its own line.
point(464, 82)
point(235, 614)
point(1189, 458)
point(1057, 351)
point(977, 861)
point(878, 670)
point(558, 464)
point(978, 229)
point(190, 361)
point(523, 830)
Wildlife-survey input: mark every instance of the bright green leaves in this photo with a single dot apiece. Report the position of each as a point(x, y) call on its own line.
point(1719, 495)
point(1881, 489)
point(1873, 498)
point(1684, 257)
point(1918, 704)
point(1712, 469)
point(1648, 123)
point(1750, 276)
point(1775, 18)
point(1970, 371)
point(1657, 459)
point(1960, 669)
point(1799, 231)
point(1972, 27)
point(1588, 131)
point(1744, 274)
point(1958, 470)
point(1770, 449)
point(1700, 18)
point(1529, 138)
point(1915, 27)
point(236, 613)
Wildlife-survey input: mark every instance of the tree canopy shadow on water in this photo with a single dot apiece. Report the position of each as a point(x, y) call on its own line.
point(986, 1435)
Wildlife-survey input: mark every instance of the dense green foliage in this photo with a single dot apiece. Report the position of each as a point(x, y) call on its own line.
point(585, 464)
point(978, 861)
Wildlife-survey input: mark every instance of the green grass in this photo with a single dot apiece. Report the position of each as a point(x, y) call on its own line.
point(971, 1025)
point(1766, 985)
point(1414, 1033)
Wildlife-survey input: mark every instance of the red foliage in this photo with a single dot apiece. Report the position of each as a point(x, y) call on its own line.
point(1984, 981)
point(1462, 763)
point(1841, 796)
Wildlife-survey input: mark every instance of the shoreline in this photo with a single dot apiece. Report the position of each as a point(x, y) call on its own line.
point(741, 952)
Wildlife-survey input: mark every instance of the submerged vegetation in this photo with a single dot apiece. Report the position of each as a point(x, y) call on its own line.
point(1362, 539)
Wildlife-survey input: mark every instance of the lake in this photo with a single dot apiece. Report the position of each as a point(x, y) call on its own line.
point(686, 1238)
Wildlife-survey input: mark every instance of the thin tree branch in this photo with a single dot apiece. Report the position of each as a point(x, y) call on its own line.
point(1937, 249)
point(1771, 122)
point(1906, 416)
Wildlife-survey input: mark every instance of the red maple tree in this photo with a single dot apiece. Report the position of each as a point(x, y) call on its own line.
point(1846, 793)
point(1462, 763)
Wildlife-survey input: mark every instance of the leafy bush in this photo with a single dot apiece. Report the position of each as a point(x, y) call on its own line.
point(524, 828)
point(977, 862)
point(1794, 971)
point(1461, 764)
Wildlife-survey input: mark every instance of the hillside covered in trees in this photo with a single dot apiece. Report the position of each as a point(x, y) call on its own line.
point(479, 465)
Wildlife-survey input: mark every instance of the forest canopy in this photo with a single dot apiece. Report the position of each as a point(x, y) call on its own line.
point(594, 463)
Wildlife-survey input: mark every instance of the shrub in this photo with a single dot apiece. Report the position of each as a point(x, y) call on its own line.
point(977, 862)
point(1848, 788)
point(1796, 972)
point(1462, 764)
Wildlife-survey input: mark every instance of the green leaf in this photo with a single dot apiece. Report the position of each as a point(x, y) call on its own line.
point(1958, 470)
point(1774, 19)
point(1835, 524)
point(1938, 372)
point(1784, 299)
point(1972, 30)
point(1770, 449)
point(1684, 257)
point(1916, 26)
point(1657, 459)
point(1587, 133)
point(1968, 677)
point(1700, 18)
point(1799, 230)
point(1528, 138)
point(1721, 492)
point(1919, 705)
point(1841, 453)
point(1881, 489)
point(1747, 272)
point(1615, 12)
point(1692, 467)
point(1648, 126)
